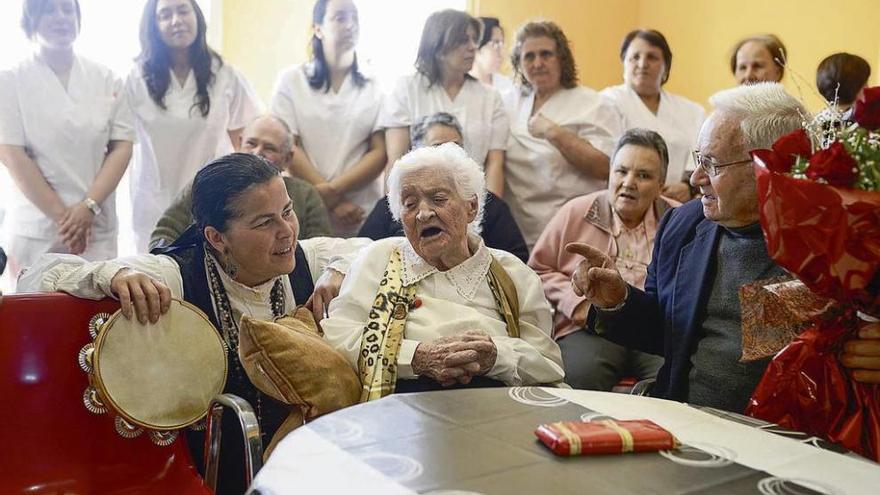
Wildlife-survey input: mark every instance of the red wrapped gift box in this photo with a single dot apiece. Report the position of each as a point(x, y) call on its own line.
point(608, 436)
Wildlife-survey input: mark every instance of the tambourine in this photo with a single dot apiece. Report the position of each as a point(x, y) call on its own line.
point(158, 377)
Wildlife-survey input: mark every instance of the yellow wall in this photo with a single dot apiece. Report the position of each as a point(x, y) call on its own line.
point(594, 29)
point(701, 33)
point(260, 37)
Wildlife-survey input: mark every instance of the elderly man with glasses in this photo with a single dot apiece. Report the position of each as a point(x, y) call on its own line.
point(704, 251)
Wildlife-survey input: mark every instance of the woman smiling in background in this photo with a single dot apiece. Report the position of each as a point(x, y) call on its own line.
point(66, 137)
point(190, 107)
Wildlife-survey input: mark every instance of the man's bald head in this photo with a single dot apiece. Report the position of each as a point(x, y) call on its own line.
point(270, 137)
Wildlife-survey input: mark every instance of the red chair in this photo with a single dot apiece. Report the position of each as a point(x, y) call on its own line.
point(50, 443)
point(625, 385)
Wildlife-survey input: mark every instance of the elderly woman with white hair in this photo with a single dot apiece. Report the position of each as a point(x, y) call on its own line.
point(438, 308)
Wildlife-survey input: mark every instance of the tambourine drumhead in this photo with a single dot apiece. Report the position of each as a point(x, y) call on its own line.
point(160, 376)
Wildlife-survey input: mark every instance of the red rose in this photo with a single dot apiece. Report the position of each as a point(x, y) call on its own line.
point(867, 109)
point(770, 160)
point(834, 165)
point(791, 146)
point(785, 152)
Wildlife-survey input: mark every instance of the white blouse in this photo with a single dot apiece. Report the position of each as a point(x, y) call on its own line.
point(678, 121)
point(453, 302)
point(334, 127)
point(539, 180)
point(175, 143)
point(66, 132)
point(503, 84)
point(73, 275)
point(477, 107)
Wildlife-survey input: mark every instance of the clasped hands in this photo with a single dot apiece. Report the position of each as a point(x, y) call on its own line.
point(343, 211)
point(456, 358)
point(75, 227)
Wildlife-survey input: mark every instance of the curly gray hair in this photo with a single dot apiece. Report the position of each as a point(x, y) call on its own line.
point(448, 160)
point(420, 129)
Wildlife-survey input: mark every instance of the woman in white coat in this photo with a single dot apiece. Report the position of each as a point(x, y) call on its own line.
point(561, 134)
point(189, 108)
point(441, 83)
point(332, 110)
point(490, 56)
point(642, 102)
point(66, 137)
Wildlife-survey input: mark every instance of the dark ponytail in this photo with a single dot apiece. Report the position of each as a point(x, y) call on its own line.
point(319, 73)
point(221, 182)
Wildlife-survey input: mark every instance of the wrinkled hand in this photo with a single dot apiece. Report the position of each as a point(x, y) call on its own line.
point(326, 289)
point(456, 358)
point(137, 291)
point(541, 127)
point(680, 191)
point(596, 277)
point(75, 227)
point(348, 213)
point(862, 354)
point(329, 194)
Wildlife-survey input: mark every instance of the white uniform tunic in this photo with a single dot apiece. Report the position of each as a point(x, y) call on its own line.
point(66, 132)
point(477, 107)
point(678, 121)
point(503, 84)
point(334, 128)
point(539, 180)
point(175, 143)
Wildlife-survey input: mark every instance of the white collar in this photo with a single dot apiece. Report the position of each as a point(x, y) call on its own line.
point(237, 291)
point(466, 277)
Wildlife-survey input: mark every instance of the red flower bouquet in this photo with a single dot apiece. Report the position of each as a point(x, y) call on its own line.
point(820, 212)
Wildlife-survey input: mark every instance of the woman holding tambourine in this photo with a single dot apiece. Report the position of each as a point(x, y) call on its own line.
point(240, 258)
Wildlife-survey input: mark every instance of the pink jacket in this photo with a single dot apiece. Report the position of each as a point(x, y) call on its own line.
point(586, 219)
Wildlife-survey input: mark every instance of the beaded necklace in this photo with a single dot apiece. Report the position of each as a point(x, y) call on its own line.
point(229, 325)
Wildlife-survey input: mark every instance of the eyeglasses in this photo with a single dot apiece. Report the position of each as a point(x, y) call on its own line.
point(710, 166)
point(466, 39)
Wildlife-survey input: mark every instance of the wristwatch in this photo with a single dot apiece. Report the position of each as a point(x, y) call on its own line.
point(93, 206)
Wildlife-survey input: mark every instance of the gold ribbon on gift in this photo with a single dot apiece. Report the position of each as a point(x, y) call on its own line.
point(626, 438)
point(574, 440)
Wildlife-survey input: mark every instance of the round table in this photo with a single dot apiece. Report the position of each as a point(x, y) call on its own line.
point(481, 441)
